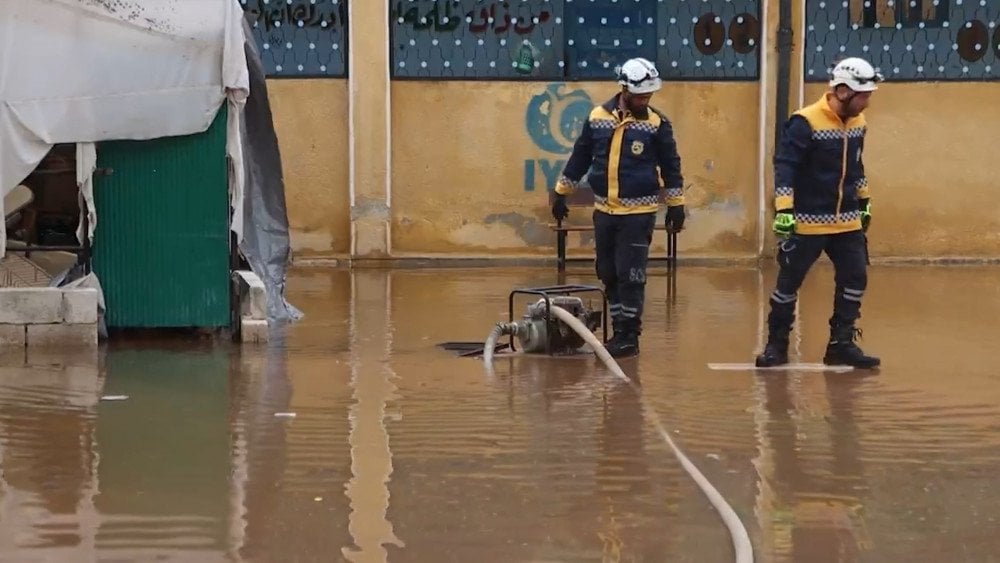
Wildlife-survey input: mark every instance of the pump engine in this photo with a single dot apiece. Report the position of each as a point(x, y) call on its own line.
point(539, 331)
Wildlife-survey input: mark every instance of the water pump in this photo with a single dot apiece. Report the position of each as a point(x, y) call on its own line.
point(539, 331)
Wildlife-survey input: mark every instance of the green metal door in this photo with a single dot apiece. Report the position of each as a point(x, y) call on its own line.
point(161, 248)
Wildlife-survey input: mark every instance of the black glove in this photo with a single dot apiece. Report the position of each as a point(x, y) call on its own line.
point(675, 219)
point(559, 209)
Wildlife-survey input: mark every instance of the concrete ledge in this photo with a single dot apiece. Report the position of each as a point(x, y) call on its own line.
point(319, 262)
point(79, 306)
point(510, 262)
point(12, 357)
point(405, 262)
point(253, 330)
point(939, 261)
point(62, 335)
point(48, 317)
point(13, 335)
point(26, 305)
point(253, 295)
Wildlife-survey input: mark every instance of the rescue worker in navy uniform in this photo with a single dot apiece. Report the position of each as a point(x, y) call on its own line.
point(822, 203)
point(630, 150)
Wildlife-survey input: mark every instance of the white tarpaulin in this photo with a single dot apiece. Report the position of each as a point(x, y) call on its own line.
point(82, 71)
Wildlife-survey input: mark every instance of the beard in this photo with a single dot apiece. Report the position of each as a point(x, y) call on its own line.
point(637, 109)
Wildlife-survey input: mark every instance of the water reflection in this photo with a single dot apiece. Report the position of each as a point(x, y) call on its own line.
point(291, 471)
point(164, 468)
point(398, 451)
point(622, 476)
point(372, 384)
point(48, 467)
point(811, 505)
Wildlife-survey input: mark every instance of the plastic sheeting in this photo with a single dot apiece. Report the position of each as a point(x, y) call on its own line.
point(83, 71)
point(265, 242)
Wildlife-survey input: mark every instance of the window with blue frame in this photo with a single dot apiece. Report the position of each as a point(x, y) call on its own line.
point(300, 38)
point(573, 39)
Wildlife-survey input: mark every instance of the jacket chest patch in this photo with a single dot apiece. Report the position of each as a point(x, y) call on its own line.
point(638, 147)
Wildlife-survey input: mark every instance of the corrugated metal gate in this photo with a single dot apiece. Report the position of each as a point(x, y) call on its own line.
point(161, 248)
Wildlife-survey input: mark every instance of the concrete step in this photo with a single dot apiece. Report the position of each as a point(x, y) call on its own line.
point(48, 316)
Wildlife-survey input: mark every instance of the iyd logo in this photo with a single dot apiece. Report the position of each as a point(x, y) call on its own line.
point(554, 119)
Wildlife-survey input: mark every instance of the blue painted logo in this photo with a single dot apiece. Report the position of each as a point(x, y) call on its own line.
point(555, 118)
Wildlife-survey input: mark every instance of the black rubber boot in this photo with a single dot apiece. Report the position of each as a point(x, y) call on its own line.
point(842, 351)
point(623, 344)
point(775, 352)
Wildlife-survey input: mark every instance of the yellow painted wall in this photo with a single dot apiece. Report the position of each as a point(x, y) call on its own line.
point(925, 157)
point(310, 117)
point(928, 156)
point(459, 152)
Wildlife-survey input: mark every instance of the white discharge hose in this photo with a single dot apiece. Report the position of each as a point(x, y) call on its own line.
point(741, 540)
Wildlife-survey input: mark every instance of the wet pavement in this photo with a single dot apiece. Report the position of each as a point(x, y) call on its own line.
point(356, 439)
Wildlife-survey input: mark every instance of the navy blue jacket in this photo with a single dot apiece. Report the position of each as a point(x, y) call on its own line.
point(630, 160)
point(819, 172)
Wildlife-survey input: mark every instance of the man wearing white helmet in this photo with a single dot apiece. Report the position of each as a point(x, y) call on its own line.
point(822, 204)
point(632, 156)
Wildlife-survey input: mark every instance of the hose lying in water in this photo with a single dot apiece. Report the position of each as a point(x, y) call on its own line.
point(740, 538)
point(502, 329)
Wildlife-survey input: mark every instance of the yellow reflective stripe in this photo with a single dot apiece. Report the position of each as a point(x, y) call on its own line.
point(827, 228)
point(843, 174)
point(619, 210)
point(614, 158)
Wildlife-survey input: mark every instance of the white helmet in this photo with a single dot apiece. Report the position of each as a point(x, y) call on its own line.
point(639, 76)
point(857, 74)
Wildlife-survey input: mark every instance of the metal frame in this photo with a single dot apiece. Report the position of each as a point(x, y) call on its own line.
point(559, 290)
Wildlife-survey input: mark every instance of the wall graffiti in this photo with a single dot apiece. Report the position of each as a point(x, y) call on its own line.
point(553, 120)
point(573, 39)
point(300, 37)
point(446, 16)
point(906, 39)
point(473, 38)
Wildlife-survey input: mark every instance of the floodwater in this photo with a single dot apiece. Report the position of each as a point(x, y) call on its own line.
point(400, 451)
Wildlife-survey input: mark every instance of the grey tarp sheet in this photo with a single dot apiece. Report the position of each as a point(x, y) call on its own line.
point(266, 244)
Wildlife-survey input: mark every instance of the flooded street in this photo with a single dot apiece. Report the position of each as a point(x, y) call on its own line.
point(356, 439)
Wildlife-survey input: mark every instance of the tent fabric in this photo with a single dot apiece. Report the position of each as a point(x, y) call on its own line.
point(84, 71)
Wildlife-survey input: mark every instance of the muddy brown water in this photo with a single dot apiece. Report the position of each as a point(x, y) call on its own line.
point(399, 451)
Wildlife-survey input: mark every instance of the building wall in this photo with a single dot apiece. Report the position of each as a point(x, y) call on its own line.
point(310, 121)
point(474, 149)
point(303, 46)
point(473, 178)
point(926, 156)
point(927, 150)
